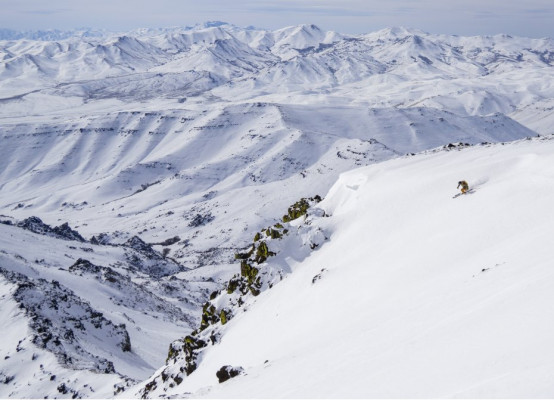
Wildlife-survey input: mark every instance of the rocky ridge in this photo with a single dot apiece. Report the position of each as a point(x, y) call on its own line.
point(259, 271)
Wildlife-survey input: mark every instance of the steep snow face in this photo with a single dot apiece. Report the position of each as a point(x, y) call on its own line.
point(416, 294)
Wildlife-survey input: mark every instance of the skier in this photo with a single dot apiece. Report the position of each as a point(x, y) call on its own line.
point(464, 185)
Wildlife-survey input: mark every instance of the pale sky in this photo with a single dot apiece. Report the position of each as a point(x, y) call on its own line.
point(532, 18)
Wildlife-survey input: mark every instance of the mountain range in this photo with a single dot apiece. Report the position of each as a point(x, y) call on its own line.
point(137, 167)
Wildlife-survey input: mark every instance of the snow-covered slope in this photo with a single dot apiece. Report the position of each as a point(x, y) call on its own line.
point(153, 173)
point(153, 156)
point(91, 309)
point(415, 294)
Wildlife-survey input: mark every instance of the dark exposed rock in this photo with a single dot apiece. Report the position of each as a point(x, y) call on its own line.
point(455, 146)
point(148, 388)
point(100, 239)
point(62, 388)
point(233, 284)
point(223, 317)
point(139, 245)
point(35, 224)
point(300, 208)
point(61, 321)
point(262, 252)
point(200, 220)
point(118, 388)
point(5, 379)
point(65, 232)
point(125, 344)
point(169, 242)
point(227, 372)
point(319, 276)
point(82, 265)
point(189, 347)
point(142, 257)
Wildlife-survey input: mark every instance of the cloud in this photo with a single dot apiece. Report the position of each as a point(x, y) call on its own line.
point(539, 12)
point(312, 10)
point(46, 12)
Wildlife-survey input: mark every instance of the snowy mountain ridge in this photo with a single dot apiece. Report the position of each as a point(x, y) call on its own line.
point(389, 304)
point(135, 166)
point(249, 64)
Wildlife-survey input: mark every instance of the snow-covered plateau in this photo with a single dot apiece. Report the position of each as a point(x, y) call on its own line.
point(273, 210)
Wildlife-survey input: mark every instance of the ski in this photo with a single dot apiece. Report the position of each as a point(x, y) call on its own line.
point(460, 194)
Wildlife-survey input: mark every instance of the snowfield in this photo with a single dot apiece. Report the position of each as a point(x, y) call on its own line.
point(416, 294)
point(136, 167)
